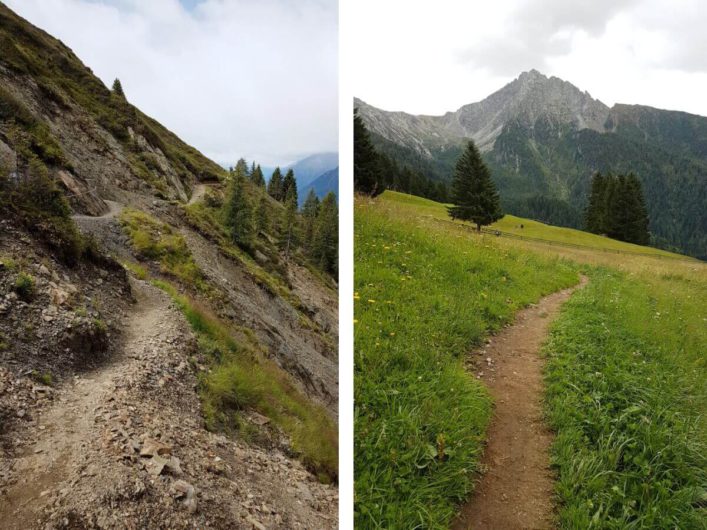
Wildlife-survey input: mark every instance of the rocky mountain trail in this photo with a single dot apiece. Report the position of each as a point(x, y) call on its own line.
point(123, 446)
point(516, 489)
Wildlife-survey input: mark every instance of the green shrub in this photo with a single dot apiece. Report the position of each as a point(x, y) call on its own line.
point(24, 286)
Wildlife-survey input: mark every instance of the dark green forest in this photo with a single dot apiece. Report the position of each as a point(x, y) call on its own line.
point(544, 172)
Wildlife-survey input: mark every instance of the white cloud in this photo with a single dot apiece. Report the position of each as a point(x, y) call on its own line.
point(231, 77)
point(432, 58)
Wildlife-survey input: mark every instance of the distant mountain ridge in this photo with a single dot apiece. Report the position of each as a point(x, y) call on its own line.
point(313, 166)
point(543, 139)
point(323, 184)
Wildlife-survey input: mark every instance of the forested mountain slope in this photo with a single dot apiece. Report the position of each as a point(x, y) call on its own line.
point(543, 139)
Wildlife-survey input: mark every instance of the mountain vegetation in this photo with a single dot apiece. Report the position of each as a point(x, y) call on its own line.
point(625, 398)
point(543, 139)
point(617, 208)
point(474, 195)
point(374, 171)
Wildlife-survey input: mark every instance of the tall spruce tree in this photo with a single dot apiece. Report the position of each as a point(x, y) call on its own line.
point(310, 210)
point(617, 208)
point(637, 222)
point(595, 212)
point(368, 176)
point(262, 222)
point(474, 194)
point(326, 235)
point(275, 185)
point(289, 186)
point(238, 214)
point(256, 176)
point(241, 169)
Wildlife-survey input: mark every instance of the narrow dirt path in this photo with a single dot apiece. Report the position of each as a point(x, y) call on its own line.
point(199, 192)
point(516, 490)
point(64, 430)
point(114, 208)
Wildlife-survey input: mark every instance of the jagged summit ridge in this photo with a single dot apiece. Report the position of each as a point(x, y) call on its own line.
point(528, 98)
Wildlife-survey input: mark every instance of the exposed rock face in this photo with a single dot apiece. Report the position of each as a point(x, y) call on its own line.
point(527, 99)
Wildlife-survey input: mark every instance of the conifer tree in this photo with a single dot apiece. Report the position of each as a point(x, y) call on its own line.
point(289, 186)
point(595, 211)
point(474, 194)
point(241, 169)
point(118, 88)
point(275, 185)
point(310, 210)
point(367, 167)
point(637, 223)
point(326, 235)
point(256, 176)
point(262, 222)
point(238, 214)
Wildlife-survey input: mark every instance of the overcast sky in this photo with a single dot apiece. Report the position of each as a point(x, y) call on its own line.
point(432, 57)
point(253, 78)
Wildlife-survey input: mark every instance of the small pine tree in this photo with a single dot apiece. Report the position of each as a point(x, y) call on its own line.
point(118, 88)
point(326, 235)
point(310, 210)
point(275, 185)
point(367, 168)
point(474, 194)
point(238, 215)
point(289, 186)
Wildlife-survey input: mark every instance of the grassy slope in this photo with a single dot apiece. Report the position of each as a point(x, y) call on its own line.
point(421, 304)
point(240, 376)
point(633, 304)
point(535, 229)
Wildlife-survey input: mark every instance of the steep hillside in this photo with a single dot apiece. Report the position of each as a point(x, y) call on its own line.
point(544, 138)
point(147, 359)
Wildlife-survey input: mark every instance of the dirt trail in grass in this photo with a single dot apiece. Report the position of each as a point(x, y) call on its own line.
point(516, 490)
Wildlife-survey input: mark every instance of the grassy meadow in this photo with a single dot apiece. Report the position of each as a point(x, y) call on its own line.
point(625, 373)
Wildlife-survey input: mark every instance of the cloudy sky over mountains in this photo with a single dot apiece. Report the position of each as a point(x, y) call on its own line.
point(621, 51)
point(231, 77)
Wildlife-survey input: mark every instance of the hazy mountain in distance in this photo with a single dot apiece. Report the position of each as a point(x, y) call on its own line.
point(308, 169)
point(543, 139)
point(322, 185)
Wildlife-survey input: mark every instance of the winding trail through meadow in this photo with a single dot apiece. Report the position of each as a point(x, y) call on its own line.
point(516, 490)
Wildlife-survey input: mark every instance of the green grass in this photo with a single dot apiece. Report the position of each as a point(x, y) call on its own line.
point(535, 229)
point(626, 395)
point(155, 240)
point(241, 379)
point(625, 374)
point(426, 293)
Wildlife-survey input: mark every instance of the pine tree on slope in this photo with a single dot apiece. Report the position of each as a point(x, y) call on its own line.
point(474, 194)
point(367, 170)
